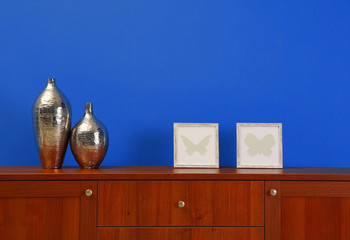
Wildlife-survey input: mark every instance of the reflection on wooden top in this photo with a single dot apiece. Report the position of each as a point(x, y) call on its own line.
point(170, 173)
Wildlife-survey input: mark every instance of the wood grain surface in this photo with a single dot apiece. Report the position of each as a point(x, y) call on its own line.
point(142, 203)
point(181, 233)
point(168, 173)
point(42, 210)
point(308, 211)
point(155, 203)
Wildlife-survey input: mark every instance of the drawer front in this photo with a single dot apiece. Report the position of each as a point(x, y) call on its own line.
point(181, 233)
point(156, 203)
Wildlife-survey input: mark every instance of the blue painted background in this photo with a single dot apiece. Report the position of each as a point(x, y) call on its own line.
point(147, 64)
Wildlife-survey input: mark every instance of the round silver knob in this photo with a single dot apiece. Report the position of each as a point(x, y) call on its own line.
point(181, 204)
point(88, 192)
point(273, 192)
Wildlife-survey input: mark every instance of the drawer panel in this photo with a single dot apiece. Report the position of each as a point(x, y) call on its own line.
point(181, 233)
point(155, 203)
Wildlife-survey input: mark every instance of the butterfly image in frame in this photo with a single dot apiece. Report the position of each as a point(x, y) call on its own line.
point(200, 147)
point(259, 146)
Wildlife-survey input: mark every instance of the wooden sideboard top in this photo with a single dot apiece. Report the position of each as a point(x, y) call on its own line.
point(170, 173)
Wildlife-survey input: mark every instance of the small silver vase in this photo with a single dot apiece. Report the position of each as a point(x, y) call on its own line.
point(51, 115)
point(89, 140)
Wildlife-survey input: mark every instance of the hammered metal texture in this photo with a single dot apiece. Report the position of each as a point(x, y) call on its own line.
point(51, 122)
point(89, 140)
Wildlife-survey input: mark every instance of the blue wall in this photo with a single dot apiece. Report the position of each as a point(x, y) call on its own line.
point(147, 64)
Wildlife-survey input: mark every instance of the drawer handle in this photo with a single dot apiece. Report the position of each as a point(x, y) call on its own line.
point(181, 204)
point(273, 192)
point(88, 192)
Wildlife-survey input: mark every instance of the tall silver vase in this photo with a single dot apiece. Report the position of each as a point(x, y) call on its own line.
point(89, 140)
point(51, 122)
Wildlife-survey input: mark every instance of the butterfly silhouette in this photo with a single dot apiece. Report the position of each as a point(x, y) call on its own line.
point(200, 147)
point(259, 146)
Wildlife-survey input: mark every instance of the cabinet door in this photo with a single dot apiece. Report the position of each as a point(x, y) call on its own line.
point(307, 210)
point(42, 210)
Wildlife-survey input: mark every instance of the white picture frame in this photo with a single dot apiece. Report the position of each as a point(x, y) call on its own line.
point(259, 145)
point(196, 145)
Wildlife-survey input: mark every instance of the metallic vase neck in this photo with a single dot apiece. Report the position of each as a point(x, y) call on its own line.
point(88, 110)
point(50, 83)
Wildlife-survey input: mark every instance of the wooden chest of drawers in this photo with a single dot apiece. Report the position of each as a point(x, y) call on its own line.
point(162, 203)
